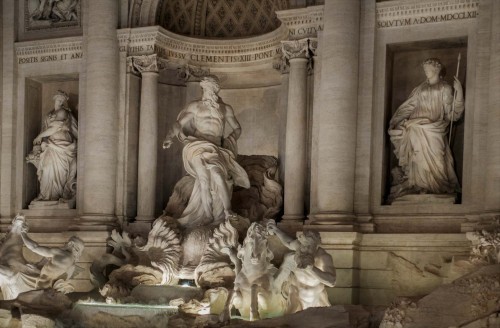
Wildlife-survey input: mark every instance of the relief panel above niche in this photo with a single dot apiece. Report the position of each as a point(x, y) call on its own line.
point(46, 19)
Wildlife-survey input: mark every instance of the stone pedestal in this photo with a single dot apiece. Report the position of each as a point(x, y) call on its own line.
point(425, 199)
point(52, 204)
point(297, 54)
point(100, 117)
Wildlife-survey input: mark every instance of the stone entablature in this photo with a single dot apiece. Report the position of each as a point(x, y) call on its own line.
point(405, 13)
point(175, 48)
point(303, 22)
point(35, 52)
point(297, 24)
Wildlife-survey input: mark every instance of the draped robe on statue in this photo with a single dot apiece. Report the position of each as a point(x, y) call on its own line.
point(57, 167)
point(205, 205)
point(419, 134)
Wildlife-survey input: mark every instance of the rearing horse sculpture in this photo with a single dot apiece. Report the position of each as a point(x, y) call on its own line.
point(258, 283)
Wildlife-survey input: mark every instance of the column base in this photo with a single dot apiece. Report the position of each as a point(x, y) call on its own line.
point(293, 218)
point(97, 222)
point(330, 221)
point(145, 218)
point(291, 227)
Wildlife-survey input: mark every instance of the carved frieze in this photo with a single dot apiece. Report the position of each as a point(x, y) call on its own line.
point(41, 14)
point(405, 13)
point(303, 22)
point(184, 50)
point(36, 52)
point(179, 50)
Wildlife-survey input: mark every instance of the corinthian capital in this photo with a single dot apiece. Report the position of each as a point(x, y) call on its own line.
point(147, 63)
point(296, 49)
point(313, 46)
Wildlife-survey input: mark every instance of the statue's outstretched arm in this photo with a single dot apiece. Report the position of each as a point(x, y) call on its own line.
point(285, 239)
point(36, 248)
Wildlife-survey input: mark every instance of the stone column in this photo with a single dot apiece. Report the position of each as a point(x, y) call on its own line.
point(492, 199)
point(297, 54)
point(148, 67)
point(8, 109)
point(334, 169)
point(101, 116)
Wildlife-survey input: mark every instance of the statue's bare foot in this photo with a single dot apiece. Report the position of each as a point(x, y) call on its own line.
point(230, 215)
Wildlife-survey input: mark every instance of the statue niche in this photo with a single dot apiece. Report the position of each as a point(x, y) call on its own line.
point(419, 132)
point(187, 241)
point(54, 156)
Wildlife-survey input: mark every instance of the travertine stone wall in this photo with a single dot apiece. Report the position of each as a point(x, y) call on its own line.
point(172, 100)
point(374, 269)
point(257, 110)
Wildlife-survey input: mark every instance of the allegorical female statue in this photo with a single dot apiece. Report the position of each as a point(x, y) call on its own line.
point(54, 153)
point(418, 131)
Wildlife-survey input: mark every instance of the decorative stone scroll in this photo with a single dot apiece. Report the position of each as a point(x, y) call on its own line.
point(405, 13)
point(190, 73)
point(147, 63)
point(295, 49)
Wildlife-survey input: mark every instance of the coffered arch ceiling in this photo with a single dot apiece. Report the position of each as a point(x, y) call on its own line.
point(209, 18)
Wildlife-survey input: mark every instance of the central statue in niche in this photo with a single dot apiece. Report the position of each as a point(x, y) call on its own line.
point(208, 156)
point(419, 130)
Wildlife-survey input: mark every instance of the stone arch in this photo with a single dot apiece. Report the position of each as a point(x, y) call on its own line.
point(144, 12)
point(208, 18)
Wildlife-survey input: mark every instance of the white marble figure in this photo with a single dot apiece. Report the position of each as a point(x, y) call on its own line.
point(59, 264)
point(56, 10)
point(312, 269)
point(208, 156)
point(258, 284)
point(154, 261)
point(17, 275)
point(54, 153)
point(418, 131)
